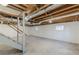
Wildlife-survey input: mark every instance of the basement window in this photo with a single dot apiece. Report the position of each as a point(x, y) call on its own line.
point(59, 27)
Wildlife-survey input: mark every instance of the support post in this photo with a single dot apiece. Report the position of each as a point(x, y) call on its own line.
point(24, 39)
point(17, 29)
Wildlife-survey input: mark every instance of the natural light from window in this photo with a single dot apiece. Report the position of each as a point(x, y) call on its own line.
point(60, 27)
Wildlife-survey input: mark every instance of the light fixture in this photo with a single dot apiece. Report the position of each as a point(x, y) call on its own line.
point(4, 4)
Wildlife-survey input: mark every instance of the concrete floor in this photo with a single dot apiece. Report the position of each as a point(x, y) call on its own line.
point(7, 50)
point(44, 46)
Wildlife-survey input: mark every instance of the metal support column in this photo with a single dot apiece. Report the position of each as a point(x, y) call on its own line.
point(24, 39)
point(17, 29)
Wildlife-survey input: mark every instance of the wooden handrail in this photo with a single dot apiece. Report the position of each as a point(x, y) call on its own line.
point(17, 29)
point(13, 28)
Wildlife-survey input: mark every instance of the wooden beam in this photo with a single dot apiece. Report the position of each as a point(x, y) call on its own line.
point(17, 5)
point(69, 11)
point(30, 8)
point(65, 9)
point(64, 13)
point(41, 8)
point(58, 11)
point(64, 16)
point(13, 7)
point(9, 11)
point(36, 6)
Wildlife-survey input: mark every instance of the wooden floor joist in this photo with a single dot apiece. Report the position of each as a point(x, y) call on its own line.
point(56, 12)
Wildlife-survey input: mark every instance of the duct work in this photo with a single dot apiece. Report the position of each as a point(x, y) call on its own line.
point(56, 18)
point(52, 7)
point(8, 10)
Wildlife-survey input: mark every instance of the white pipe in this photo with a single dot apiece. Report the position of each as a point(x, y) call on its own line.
point(60, 17)
point(52, 7)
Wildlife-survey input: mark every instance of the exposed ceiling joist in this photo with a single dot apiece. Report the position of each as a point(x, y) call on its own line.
point(19, 6)
point(36, 6)
point(64, 13)
point(13, 7)
point(9, 11)
point(69, 11)
point(44, 10)
point(60, 17)
point(30, 7)
point(57, 11)
point(40, 9)
point(37, 13)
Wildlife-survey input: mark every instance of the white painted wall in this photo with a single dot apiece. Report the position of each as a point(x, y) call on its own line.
point(70, 33)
